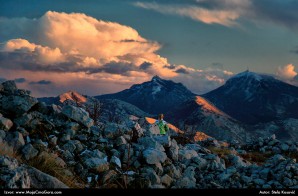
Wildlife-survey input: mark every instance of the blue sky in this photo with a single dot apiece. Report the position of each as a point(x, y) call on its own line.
point(217, 38)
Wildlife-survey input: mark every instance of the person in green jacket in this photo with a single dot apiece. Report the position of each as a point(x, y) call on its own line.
point(162, 124)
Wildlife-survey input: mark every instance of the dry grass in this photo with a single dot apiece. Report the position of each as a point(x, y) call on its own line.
point(49, 165)
point(9, 151)
point(200, 136)
point(257, 157)
point(221, 152)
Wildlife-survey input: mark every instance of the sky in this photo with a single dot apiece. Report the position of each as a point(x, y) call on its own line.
point(104, 46)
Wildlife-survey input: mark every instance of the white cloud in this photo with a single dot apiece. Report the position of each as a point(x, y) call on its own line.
point(286, 72)
point(94, 56)
point(82, 41)
point(223, 12)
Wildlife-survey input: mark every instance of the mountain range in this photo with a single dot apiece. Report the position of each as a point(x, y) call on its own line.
point(155, 96)
point(247, 103)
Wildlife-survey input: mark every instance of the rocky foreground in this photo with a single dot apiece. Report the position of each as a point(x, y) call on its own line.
point(48, 146)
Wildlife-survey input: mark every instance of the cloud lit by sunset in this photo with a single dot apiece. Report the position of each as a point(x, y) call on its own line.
point(199, 43)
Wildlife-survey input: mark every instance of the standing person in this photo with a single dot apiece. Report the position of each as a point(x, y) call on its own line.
point(162, 125)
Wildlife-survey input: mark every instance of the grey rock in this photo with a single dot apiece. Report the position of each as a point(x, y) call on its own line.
point(284, 147)
point(70, 132)
point(16, 105)
point(120, 141)
point(264, 173)
point(260, 182)
point(276, 159)
point(23, 120)
point(5, 123)
point(95, 130)
point(53, 140)
point(246, 179)
point(212, 157)
point(164, 140)
point(149, 142)
point(127, 137)
point(23, 132)
point(153, 156)
point(29, 152)
point(70, 146)
point(273, 142)
point(77, 114)
point(185, 182)
point(174, 151)
point(96, 164)
point(166, 180)
point(116, 161)
point(199, 162)
point(82, 137)
point(9, 86)
point(137, 164)
point(7, 162)
point(65, 138)
point(266, 186)
point(213, 165)
point(79, 146)
point(56, 109)
point(150, 174)
point(115, 153)
point(187, 154)
point(73, 126)
point(15, 139)
point(42, 108)
point(273, 137)
point(42, 180)
point(197, 148)
point(12, 175)
point(67, 156)
point(158, 169)
point(2, 134)
point(113, 130)
point(276, 150)
point(288, 182)
point(190, 173)
point(156, 186)
point(86, 154)
point(173, 172)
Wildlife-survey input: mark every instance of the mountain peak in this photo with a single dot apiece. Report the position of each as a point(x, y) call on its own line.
point(252, 98)
point(155, 96)
point(72, 95)
point(156, 78)
point(248, 74)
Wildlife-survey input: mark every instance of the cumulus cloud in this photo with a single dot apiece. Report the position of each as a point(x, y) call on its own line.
point(286, 72)
point(94, 56)
point(76, 42)
point(229, 12)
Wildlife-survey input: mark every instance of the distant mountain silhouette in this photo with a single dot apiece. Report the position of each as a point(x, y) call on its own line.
point(155, 96)
point(252, 98)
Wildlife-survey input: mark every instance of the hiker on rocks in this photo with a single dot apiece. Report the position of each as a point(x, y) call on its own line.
point(162, 125)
